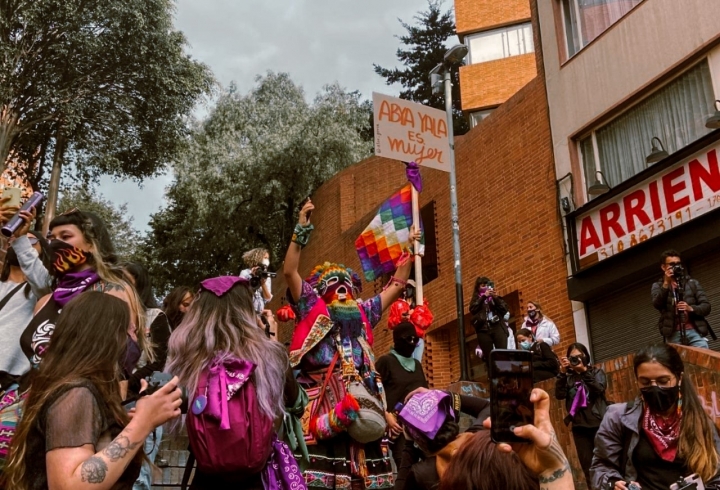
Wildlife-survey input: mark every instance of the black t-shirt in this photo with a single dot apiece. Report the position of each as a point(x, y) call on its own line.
point(397, 381)
point(654, 473)
point(74, 416)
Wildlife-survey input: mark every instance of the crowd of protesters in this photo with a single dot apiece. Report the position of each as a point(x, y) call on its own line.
point(94, 373)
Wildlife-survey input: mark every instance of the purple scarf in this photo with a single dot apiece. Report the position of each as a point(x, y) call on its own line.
point(282, 471)
point(72, 284)
point(580, 400)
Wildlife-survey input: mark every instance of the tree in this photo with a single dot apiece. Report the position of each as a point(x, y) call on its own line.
point(248, 166)
point(124, 235)
point(425, 46)
point(106, 83)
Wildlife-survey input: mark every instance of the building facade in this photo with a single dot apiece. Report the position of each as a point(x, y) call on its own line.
point(501, 47)
point(627, 79)
point(509, 227)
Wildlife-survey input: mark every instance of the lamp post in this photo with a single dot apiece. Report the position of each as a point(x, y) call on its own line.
point(453, 57)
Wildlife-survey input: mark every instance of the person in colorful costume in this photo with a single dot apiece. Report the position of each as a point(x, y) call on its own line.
point(405, 310)
point(330, 322)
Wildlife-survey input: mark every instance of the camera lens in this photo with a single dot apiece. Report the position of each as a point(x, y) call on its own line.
point(575, 361)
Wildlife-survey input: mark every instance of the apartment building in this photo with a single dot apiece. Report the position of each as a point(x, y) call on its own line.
point(501, 59)
point(631, 88)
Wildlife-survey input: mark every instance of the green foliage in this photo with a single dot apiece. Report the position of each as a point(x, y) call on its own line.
point(247, 167)
point(109, 77)
point(425, 45)
point(124, 235)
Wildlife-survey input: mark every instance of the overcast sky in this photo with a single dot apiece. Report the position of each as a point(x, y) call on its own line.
point(316, 41)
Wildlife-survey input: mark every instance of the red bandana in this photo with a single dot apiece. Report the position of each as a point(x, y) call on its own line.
point(662, 433)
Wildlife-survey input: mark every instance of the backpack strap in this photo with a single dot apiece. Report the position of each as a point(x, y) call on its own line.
point(188, 470)
point(330, 370)
point(9, 295)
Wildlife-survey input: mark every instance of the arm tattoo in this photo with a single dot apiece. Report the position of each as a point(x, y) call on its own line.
point(119, 448)
point(93, 470)
point(556, 475)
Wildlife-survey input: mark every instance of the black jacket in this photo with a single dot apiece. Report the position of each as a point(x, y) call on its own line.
point(694, 295)
point(544, 360)
point(480, 309)
point(595, 383)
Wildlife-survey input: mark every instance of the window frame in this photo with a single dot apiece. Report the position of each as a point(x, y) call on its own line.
point(519, 26)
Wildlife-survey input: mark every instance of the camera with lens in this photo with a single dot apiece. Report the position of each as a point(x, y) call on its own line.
point(575, 360)
point(155, 382)
point(260, 272)
point(692, 482)
point(678, 271)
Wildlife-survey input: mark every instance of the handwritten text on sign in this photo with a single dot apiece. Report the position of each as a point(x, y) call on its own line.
point(409, 131)
point(679, 194)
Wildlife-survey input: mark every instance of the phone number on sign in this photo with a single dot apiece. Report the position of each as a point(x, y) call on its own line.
point(660, 226)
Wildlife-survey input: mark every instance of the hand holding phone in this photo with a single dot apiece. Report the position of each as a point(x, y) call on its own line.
point(13, 196)
point(511, 382)
point(306, 209)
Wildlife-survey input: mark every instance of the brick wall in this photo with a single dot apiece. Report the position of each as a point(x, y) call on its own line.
point(492, 83)
point(476, 15)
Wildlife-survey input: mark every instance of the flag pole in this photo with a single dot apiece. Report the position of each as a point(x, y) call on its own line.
point(416, 247)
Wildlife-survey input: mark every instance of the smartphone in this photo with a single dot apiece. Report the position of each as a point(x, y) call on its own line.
point(14, 194)
point(511, 382)
point(302, 204)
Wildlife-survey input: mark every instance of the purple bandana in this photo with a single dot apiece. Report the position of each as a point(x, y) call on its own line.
point(219, 286)
point(72, 284)
point(282, 471)
point(426, 412)
point(580, 400)
point(412, 171)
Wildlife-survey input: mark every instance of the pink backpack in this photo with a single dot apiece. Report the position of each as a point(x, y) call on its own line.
point(228, 433)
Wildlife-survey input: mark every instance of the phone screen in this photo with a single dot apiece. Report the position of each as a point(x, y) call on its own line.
point(511, 383)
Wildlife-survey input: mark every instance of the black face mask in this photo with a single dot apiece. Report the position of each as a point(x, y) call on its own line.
point(532, 314)
point(660, 400)
point(405, 348)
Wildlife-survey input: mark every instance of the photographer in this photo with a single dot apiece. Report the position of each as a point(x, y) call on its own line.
point(488, 310)
point(661, 436)
point(257, 261)
point(582, 386)
point(682, 303)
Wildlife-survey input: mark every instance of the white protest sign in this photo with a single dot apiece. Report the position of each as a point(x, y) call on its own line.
point(408, 131)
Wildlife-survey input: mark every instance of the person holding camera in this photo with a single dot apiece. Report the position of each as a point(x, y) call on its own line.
point(543, 328)
point(74, 433)
point(488, 311)
point(682, 303)
point(257, 262)
point(662, 436)
point(582, 386)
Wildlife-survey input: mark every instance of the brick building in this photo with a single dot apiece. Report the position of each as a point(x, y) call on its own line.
point(501, 59)
point(509, 226)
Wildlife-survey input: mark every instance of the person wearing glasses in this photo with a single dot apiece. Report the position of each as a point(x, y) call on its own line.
point(682, 303)
point(401, 373)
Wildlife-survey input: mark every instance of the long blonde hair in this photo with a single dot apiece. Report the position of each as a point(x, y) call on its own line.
point(227, 326)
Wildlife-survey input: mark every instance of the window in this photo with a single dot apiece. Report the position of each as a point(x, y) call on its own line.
point(500, 43)
point(478, 116)
point(675, 114)
point(587, 19)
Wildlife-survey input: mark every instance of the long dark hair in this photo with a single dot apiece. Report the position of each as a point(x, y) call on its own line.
point(172, 302)
point(44, 255)
point(583, 350)
point(478, 465)
point(480, 280)
point(143, 283)
point(696, 444)
point(88, 343)
point(93, 229)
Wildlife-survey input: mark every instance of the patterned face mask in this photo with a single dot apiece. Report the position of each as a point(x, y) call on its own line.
point(66, 257)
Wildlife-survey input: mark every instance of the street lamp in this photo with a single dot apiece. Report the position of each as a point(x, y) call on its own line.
point(453, 57)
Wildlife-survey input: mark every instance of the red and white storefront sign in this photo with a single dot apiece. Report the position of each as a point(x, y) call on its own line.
point(679, 194)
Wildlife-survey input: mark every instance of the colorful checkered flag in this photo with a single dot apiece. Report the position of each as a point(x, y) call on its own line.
point(387, 236)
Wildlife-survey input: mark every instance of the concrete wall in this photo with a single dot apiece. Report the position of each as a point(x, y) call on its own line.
point(644, 48)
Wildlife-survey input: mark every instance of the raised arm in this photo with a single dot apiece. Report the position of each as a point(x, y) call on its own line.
point(292, 257)
point(395, 288)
